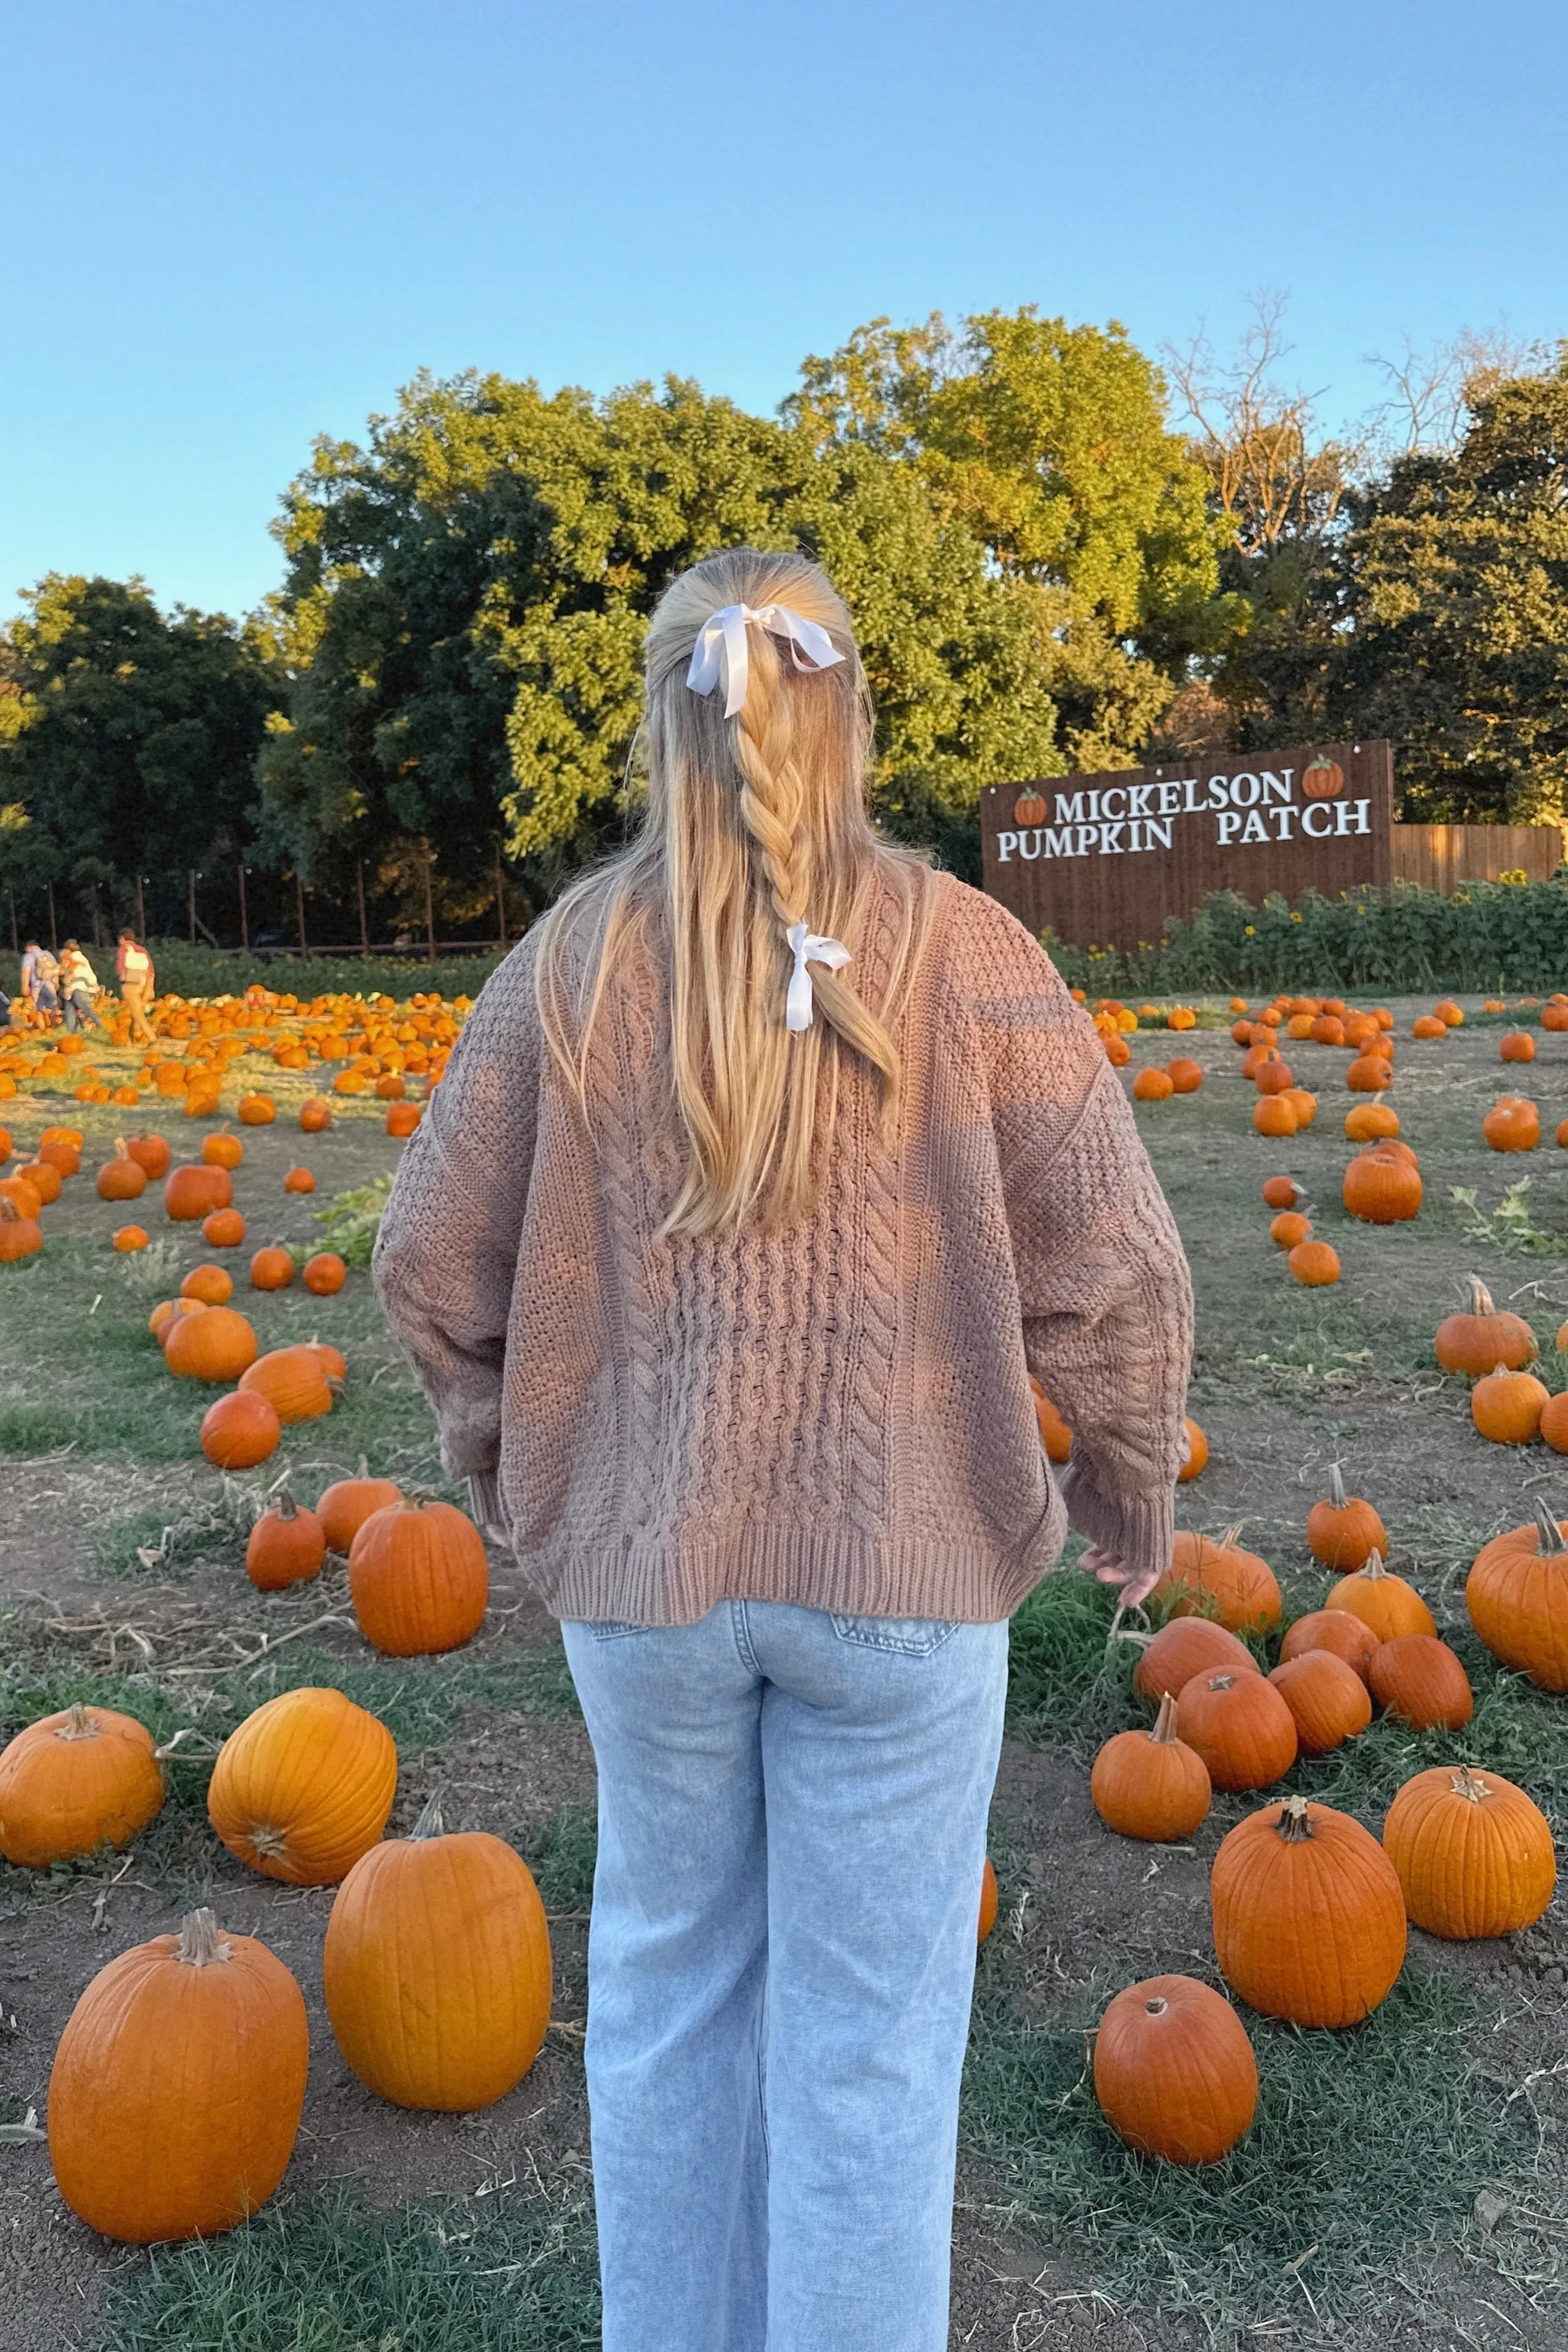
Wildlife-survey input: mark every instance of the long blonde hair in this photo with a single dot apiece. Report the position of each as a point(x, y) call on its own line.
point(753, 824)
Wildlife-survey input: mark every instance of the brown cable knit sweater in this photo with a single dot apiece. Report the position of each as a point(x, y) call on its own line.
point(837, 1414)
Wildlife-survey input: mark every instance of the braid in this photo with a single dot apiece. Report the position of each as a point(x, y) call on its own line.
point(772, 789)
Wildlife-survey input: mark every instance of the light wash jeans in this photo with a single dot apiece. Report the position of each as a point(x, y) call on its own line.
point(792, 1830)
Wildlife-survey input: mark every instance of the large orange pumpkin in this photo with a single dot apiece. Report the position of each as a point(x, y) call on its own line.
point(1513, 1124)
point(239, 1431)
point(1220, 1579)
point(419, 1578)
point(436, 1968)
point(177, 2089)
point(1381, 1187)
point(75, 1780)
point(1473, 1852)
point(1174, 2070)
point(151, 1152)
point(1309, 1915)
point(325, 1273)
point(1423, 1682)
point(1517, 1594)
point(304, 1787)
point(1349, 1637)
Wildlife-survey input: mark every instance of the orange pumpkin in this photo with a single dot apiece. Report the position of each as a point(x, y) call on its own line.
point(402, 1118)
point(1149, 1784)
point(1220, 1579)
point(299, 1179)
point(239, 1431)
point(303, 1786)
point(271, 1269)
point(1308, 1915)
point(193, 1190)
point(1173, 2071)
point(122, 1177)
point(1371, 1122)
point(419, 2029)
point(1344, 1531)
point(1518, 1046)
point(1152, 1086)
point(1241, 1728)
point(257, 1110)
point(1288, 1228)
point(1197, 1454)
point(1328, 1700)
point(223, 1151)
point(211, 1284)
point(1338, 1630)
point(1517, 1595)
point(1322, 778)
point(1275, 1115)
point(176, 2090)
point(1506, 1407)
point(1315, 1264)
point(325, 1273)
point(1381, 1186)
point(294, 1382)
point(1185, 1647)
point(225, 1229)
point(1473, 1853)
point(20, 1236)
point(419, 1578)
point(1383, 1601)
point(73, 1781)
point(130, 1237)
point(1369, 1074)
point(315, 1114)
point(286, 1545)
point(1282, 1192)
point(989, 1899)
point(1055, 1435)
point(1513, 1124)
point(1478, 1340)
point(345, 1506)
point(216, 1345)
point(1419, 1679)
point(1186, 1076)
point(151, 1152)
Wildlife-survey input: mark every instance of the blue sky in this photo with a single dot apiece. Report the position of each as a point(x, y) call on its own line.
point(230, 227)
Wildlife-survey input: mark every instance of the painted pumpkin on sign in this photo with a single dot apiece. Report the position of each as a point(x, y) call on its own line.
point(1322, 778)
point(1028, 809)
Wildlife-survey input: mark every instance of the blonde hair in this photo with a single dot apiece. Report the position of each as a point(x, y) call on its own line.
point(753, 824)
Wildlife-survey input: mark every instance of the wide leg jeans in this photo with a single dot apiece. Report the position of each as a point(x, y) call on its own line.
point(792, 1830)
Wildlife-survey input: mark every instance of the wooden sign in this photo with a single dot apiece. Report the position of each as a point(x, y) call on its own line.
point(1105, 861)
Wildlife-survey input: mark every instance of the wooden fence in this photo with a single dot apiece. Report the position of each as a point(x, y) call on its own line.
point(1441, 857)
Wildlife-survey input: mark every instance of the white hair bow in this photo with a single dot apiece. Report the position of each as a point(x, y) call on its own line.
point(720, 656)
point(809, 946)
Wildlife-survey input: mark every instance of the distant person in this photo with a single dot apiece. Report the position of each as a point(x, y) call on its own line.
point(79, 988)
point(41, 983)
point(765, 1172)
point(133, 968)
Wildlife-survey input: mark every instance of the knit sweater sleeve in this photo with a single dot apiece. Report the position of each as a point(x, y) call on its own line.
point(1103, 1276)
point(445, 1257)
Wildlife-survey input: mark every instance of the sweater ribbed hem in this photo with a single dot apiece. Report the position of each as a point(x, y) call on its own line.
point(1139, 1530)
point(665, 1584)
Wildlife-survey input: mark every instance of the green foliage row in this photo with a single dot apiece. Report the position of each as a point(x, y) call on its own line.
point(200, 972)
point(1506, 936)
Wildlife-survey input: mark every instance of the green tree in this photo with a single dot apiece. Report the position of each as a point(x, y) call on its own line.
point(128, 738)
point(467, 596)
point(1439, 617)
point(1051, 443)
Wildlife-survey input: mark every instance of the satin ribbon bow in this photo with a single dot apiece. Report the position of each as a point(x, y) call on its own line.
point(809, 946)
point(720, 657)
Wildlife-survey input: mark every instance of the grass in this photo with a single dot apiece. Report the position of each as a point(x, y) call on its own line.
point(328, 2275)
point(1366, 2156)
point(561, 1858)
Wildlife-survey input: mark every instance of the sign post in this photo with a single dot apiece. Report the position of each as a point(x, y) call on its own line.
point(1106, 861)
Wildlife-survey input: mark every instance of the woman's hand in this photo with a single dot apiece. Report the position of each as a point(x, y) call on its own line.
point(1110, 1567)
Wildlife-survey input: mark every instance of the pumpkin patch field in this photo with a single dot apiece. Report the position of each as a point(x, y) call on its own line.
point(1270, 2040)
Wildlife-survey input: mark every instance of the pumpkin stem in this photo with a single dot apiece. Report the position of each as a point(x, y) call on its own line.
point(430, 1823)
point(1227, 1541)
point(364, 1470)
point(1371, 1567)
point(78, 1724)
point(338, 1387)
point(285, 1506)
point(1165, 1729)
point(1294, 1823)
point(1469, 1785)
point(1156, 2007)
point(121, 1149)
point(1480, 1296)
point(201, 1941)
point(1221, 1681)
point(1551, 1534)
point(271, 1844)
point(1336, 1488)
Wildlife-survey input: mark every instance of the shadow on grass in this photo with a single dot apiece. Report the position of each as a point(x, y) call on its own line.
point(328, 2275)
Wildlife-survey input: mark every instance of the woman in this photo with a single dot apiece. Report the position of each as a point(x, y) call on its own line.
point(78, 987)
point(765, 1170)
point(133, 968)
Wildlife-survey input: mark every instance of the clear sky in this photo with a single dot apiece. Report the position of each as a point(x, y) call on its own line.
point(232, 226)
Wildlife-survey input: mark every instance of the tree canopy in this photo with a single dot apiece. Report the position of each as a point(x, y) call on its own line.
point(128, 740)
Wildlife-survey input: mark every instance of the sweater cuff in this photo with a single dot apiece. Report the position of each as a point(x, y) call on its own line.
point(1139, 1529)
point(484, 1500)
